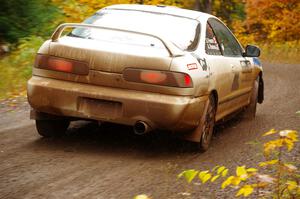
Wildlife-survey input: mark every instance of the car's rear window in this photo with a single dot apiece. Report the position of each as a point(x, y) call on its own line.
point(183, 32)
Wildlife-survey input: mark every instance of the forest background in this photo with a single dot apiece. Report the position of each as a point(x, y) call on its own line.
point(273, 25)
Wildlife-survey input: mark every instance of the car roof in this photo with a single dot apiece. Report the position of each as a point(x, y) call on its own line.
point(161, 9)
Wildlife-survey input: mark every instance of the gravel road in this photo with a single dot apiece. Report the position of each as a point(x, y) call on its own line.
point(110, 162)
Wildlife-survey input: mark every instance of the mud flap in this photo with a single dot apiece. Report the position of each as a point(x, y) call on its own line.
point(195, 135)
point(260, 98)
point(36, 115)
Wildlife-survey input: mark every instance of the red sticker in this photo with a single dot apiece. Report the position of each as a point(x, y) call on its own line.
point(192, 66)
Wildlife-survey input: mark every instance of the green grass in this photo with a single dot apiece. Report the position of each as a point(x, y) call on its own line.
point(15, 68)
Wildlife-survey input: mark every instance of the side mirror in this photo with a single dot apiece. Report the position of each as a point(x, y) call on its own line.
point(251, 51)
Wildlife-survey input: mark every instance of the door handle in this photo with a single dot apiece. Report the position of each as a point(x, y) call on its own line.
point(232, 67)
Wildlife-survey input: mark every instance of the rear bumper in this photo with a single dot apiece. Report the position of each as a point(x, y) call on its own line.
point(63, 98)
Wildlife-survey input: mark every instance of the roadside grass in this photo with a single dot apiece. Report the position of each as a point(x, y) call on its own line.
point(286, 53)
point(16, 67)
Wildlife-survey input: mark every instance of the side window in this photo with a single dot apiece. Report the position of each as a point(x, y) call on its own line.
point(211, 44)
point(229, 45)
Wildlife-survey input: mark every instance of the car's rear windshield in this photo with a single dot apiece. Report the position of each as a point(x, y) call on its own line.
point(183, 32)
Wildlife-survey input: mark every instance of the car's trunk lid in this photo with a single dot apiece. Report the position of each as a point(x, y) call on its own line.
point(110, 57)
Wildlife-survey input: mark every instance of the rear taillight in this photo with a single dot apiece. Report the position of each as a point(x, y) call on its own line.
point(60, 64)
point(153, 77)
point(162, 78)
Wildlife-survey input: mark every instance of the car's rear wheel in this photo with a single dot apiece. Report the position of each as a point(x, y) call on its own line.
point(250, 111)
point(52, 128)
point(208, 125)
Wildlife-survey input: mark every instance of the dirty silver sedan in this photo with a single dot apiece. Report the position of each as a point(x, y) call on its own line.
point(151, 67)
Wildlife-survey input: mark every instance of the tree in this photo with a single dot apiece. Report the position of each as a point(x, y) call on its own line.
point(227, 10)
point(85, 8)
point(204, 5)
point(21, 18)
point(273, 20)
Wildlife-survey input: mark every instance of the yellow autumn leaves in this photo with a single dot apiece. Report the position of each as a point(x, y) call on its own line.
point(142, 196)
point(204, 176)
point(78, 10)
point(287, 138)
point(285, 180)
point(242, 174)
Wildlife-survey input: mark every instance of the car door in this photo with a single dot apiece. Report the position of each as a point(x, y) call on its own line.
point(220, 71)
point(239, 93)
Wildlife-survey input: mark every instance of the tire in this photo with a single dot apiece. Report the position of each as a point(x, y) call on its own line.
point(250, 111)
point(52, 128)
point(208, 125)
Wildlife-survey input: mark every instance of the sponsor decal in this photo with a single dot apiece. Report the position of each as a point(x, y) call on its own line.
point(212, 44)
point(201, 61)
point(203, 64)
point(246, 66)
point(256, 61)
point(235, 84)
point(192, 66)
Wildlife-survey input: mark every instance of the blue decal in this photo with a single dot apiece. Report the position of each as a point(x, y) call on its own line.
point(256, 61)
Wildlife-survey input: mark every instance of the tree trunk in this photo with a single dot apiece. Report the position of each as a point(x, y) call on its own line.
point(203, 5)
point(208, 6)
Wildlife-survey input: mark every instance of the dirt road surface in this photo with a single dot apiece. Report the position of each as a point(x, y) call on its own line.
point(109, 162)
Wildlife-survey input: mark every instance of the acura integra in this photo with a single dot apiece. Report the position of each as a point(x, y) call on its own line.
point(150, 67)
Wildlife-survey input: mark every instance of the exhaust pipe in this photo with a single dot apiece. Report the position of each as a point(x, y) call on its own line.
point(141, 128)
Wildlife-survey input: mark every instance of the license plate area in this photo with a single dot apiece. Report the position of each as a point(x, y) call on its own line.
point(100, 109)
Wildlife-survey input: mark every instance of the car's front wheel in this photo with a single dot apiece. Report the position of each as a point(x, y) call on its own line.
point(52, 128)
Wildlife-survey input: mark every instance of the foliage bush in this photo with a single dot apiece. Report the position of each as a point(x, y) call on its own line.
point(284, 183)
point(281, 52)
point(15, 68)
point(19, 19)
point(274, 178)
point(271, 20)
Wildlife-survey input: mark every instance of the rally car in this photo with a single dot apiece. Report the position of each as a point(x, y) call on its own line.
point(151, 67)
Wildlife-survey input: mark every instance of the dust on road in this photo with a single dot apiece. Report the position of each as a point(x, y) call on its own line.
point(110, 162)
